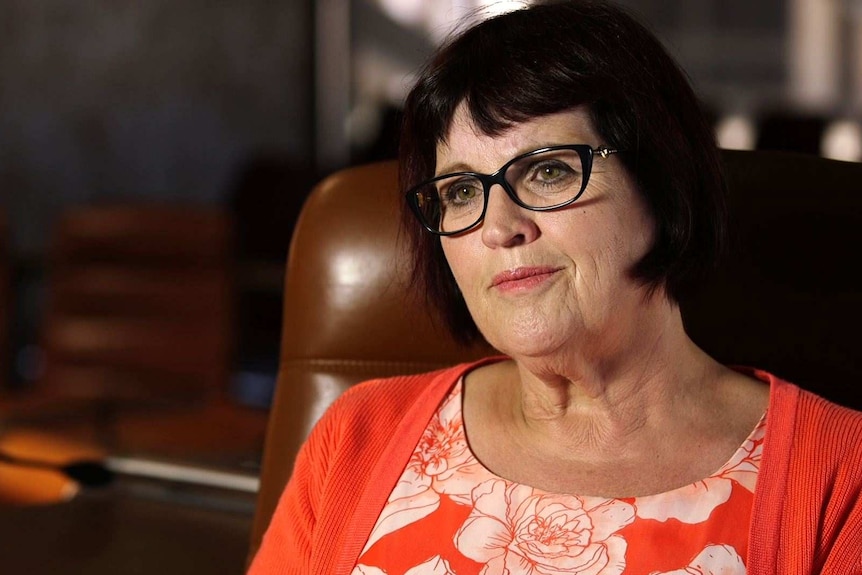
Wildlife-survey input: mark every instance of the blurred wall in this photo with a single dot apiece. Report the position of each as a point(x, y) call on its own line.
point(734, 50)
point(111, 99)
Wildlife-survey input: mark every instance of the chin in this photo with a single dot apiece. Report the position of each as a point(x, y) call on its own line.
point(526, 340)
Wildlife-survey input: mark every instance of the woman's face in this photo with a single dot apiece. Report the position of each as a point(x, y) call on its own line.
point(534, 281)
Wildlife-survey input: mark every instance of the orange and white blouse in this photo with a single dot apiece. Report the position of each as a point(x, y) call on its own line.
point(448, 515)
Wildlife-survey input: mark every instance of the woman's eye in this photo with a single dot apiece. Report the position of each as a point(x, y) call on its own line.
point(551, 172)
point(461, 193)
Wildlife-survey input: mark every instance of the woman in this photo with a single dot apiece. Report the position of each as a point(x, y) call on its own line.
point(563, 193)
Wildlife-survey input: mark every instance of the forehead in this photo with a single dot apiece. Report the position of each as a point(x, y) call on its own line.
point(467, 146)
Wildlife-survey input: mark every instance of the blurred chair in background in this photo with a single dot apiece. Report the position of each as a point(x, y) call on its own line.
point(785, 301)
point(23, 484)
point(139, 303)
point(137, 333)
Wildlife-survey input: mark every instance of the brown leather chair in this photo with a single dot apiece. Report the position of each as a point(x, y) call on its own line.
point(787, 299)
point(138, 336)
point(137, 318)
point(139, 302)
point(138, 315)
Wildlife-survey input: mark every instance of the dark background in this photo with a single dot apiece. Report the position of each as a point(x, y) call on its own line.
point(246, 104)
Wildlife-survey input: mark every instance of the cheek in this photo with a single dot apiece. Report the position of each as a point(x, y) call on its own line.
point(465, 264)
point(625, 227)
point(456, 256)
point(641, 226)
point(608, 240)
point(626, 245)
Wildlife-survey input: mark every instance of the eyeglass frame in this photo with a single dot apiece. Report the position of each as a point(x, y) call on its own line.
point(585, 152)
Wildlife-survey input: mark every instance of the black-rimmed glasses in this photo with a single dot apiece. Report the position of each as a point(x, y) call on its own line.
point(544, 179)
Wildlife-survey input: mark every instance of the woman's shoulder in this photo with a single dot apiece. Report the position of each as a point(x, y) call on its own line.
point(364, 418)
point(808, 406)
point(394, 389)
point(391, 397)
point(809, 480)
point(814, 422)
point(826, 420)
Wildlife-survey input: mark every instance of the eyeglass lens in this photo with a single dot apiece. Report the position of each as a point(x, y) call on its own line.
point(542, 180)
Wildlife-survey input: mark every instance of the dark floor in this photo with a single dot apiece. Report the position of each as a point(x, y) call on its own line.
point(134, 527)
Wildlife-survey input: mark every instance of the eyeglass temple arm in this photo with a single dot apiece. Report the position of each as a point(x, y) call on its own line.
point(605, 151)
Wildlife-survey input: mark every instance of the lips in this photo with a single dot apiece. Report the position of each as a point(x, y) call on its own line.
point(522, 278)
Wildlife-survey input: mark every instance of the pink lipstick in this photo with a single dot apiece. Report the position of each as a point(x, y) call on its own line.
point(521, 279)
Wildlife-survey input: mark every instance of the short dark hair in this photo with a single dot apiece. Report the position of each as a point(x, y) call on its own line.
point(556, 56)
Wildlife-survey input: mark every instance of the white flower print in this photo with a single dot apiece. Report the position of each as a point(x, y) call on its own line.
point(434, 566)
point(366, 570)
point(441, 464)
point(515, 531)
point(695, 503)
point(713, 560)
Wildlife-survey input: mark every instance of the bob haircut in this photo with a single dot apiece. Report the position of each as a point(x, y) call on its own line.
point(555, 56)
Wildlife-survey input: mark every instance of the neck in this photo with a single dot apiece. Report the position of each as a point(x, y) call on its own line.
point(614, 390)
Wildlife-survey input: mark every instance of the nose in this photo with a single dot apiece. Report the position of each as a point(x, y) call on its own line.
point(507, 224)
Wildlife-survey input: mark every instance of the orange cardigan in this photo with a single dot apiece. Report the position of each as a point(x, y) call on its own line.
point(806, 517)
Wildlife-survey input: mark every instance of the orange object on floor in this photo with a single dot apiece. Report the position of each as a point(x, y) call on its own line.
point(23, 484)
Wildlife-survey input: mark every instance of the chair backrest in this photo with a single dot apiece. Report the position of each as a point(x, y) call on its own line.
point(139, 302)
point(347, 314)
point(788, 299)
point(785, 301)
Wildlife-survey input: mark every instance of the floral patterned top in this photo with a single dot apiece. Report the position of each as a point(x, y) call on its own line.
point(448, 515)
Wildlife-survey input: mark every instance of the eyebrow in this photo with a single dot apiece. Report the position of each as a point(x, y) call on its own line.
point(462, 167)
point(454, 168)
